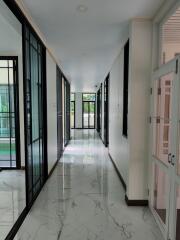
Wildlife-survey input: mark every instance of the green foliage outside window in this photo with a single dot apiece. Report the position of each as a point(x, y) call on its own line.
point(89, 96)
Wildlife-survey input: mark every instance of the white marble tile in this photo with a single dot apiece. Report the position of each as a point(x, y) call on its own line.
point(84, 200)
point(12, 199)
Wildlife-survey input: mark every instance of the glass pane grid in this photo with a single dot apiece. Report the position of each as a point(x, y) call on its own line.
point(162, 117)
point(7, 115)
point(34, 109)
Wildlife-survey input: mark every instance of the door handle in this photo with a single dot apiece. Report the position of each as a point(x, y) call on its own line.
point(169, 158)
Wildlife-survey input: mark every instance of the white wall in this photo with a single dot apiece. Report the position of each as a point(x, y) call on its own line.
point(139, 107)
point(78, 109)
point(131, 154)
point(51, 112)
point(118, 145)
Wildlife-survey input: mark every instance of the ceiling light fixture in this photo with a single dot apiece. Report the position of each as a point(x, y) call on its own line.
point(82, 8)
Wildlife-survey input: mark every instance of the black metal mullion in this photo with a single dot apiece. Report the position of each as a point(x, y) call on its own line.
point(9, 118)
point(30, 106)
point(82, 114)
point(39, 111)
point(88, 115)
point(12, 113)
point(74, 113)
point(16, 113)
point(94, 114)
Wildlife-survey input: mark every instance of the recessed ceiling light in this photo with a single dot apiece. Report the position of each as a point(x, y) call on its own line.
point(82, 8)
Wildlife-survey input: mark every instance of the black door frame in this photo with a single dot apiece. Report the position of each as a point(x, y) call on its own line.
point(67, 101)
point(125, 90)
point(106, 111)
point(98, 100)
point(15, 9)
point(59, 113)
point(99, 110)
point(94, 102)
point(16, 111)
point(30, 198)
point(74, 103)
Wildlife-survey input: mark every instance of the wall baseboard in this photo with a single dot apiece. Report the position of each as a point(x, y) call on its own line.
point(136, 202)
point(118, 173)
point(53, 168)
point(128, 201)
point(101, 137)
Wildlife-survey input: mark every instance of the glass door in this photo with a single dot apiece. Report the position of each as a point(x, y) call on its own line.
point(72, 114)
point(89, 103)
point(92, 115)
point(9, 113)
point(89, 114)
point(165, 125)
point(67, 110)
point(72, 110)
point(85, 114)
point(35, 115)
point(59, 113)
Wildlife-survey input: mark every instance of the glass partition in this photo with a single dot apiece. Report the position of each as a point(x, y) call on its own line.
point(35, 117)
point(9, 127)
point(72, 110)
point(162, 118)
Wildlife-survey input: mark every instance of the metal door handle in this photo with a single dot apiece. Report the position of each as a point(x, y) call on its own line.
point(169, 158)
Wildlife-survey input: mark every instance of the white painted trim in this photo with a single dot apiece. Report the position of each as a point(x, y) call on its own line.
point(164, 9)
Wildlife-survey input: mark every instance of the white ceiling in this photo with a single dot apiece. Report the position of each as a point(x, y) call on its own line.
point(86, 43)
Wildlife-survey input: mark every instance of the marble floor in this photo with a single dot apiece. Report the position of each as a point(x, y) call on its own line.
point(84, 200)
point(12, 199)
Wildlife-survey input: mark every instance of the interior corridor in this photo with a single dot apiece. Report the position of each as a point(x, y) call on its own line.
point(84, 199)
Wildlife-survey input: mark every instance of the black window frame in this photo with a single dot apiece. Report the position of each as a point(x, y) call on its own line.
point(16, 111)
point(88, 101)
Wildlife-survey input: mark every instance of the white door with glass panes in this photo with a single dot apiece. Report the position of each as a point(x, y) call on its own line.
point(165, 194)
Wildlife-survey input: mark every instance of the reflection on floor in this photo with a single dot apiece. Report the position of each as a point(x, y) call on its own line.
point(12, 199)
point(84, 200)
